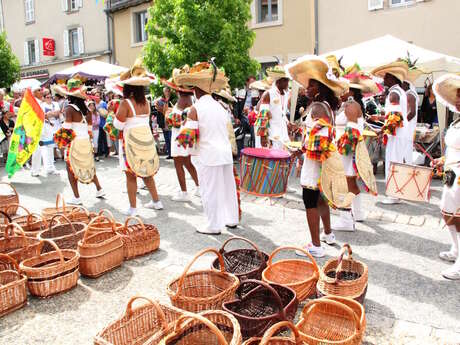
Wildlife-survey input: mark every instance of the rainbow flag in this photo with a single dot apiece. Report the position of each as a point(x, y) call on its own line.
point(26, 134)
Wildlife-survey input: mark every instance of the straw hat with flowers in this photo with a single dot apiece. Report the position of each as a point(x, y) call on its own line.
point(398, 69)
point(361, 81)
point(203, 75)
point(137, 75)
point(445, 88)
point(276, 72)
point(73, 88)
point(261, 85)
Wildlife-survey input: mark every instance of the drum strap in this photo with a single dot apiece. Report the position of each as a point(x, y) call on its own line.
point(412, 177)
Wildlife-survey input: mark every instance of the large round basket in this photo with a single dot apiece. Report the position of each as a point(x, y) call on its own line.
point(244, 263)
point(139, 238)
point(325, 321)
point(13, 294)
point(262, 307)
point(30, 223)
point(51, 273)
point(210, 327)
point(50, 212)
point(100, 252)
point(343, 277)
point(104, 222)
point(65, 234)
point(17, 245)
point(137, 325)
point(80, 214)
point(203, 290)
point(300, 275)
point(9, 198)
point(269, 337)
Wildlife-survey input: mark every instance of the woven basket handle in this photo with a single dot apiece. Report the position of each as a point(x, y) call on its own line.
point(13, 226)
point(6, 216)
point(78, 209)
point(11, 186)
point(107, 212)
point(276, 327)
point(160, 313)
point(281, 313)
point(277, 250)
point(346, 248)
point(94, 220)
point(61, 257)
point(201, 319)
point(209, 250)
point(252, 244)
point(60, 198)
point(125, 229)
point(65, 218)
point(9, 259)
point(29, 215)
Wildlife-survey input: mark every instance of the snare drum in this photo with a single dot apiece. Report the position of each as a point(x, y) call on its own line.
point(409, 182)
point(264, 172)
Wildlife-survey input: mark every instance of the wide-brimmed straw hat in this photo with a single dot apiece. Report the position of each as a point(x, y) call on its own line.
point(261, 85)
point(73, 88)
point(137, 75)
point(276, 72)
point(335, 65)
point(317, 68)
point(226, 94)
point(169, 83)
point(398, 69)
point(445, 89)
point(361, 81)
point(203, 75)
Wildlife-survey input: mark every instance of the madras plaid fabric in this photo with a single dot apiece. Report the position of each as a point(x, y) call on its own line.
point(174, 120)
point(262, 123)
point(113, 132)
point(393, 121)
point(188, 137)
point(238, 195)
point(348, 141)
point(317, 147)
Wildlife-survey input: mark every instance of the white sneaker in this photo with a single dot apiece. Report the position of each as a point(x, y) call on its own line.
point(317, 252)
point(155, 205)
point(34, 174)
point(53, 172)
point(130, 212)
point(344, 223)
point(450, 256)
point(390, 201)
point(197, 192)
point(181, 196)
point(75, 201)
point(291, 190)
point(452, 273)
point(100, 193)
point(208, 232)
point(328, 238)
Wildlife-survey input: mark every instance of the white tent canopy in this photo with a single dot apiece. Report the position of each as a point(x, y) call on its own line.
point(388, 48)
point(24, 84)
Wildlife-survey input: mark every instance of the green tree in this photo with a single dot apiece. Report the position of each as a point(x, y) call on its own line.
point(9, 64)
point(187, 31)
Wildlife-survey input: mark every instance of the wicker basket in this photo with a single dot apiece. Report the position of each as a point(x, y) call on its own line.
point(7, 199)
point(356, 307)
point(66, 234)
point(207, 328)
point(300, 275)
point(80, 214)
point(51, 273)
point(325, 321)
point(244, 263)
point(13, 293)
point(4, 223)
point(139, 324)
point(100, 252)
point(19, 247)
point(139, 239)
point(203, 290)
point(32, 224)
point(270, 339)
point(262, 307)
point(105, 222)
point(50, 212)
point(343, 277)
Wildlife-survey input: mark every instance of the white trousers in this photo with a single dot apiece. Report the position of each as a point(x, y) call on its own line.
point(45, 153)
point(394, 152)
point(218, 195)
point(95, 139)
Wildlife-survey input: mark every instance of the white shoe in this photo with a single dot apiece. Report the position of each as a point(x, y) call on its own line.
point(53, 172)
point(291, 190)
point(197, 192)
point(208, 232)
point(390, 201)
point(344, 223)
point(75, 201)
point(317, 252)
point(155, 205)
point(452, 273)
point(130, 212)
point(328, 238)
point(34, 174)
point(181, 196)
point(450, 256)
point(100, 193)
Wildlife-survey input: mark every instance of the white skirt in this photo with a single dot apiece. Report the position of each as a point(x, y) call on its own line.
point(450, 201)
point(176, 150)
point(347, 161)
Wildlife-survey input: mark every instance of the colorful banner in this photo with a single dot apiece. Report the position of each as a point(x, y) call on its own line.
point(49, 46)
point(26, 134)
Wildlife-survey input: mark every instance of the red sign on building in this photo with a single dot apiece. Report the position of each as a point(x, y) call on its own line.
point(49, 46)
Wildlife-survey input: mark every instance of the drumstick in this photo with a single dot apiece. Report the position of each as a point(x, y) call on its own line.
point(421, 148)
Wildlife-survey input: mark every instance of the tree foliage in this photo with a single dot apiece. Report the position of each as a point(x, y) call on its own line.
point(9, 64)
point(187, 31)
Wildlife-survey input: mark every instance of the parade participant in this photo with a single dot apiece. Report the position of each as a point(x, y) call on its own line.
point(324, 89)
point(393, 75)
point(137, 153)
point(80, 157)
point(412, 114)
point(447, 91)
point(206, 129)
point(7, 127)
point(180, 154)
point(162, 106)
point(271, 123)
point(96, 120)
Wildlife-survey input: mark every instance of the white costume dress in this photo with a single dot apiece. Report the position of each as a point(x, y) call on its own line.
point(396, 146)
point(450, 201)
point(412, 124)
point(214, 164)
point(347, 160)
point(177, 150)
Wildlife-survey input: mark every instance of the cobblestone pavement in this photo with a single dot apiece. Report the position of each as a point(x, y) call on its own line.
point(408, 302)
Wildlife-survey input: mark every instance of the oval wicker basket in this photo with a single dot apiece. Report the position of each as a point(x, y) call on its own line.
point(65, 235)
point(300, 275)
point(137, 325)
point(13, 293)
point(6, 220)
point(30, 223)
point(244, 263)
point(51, 273)
point(343, 277)
point(50, 212)
point(105, 222)
point(19, 247)
point(100, 252)
point(7, 199)
point(80, 214)
point(262, 307)
point(139, 239)
point(269, 337)
point(204, 289)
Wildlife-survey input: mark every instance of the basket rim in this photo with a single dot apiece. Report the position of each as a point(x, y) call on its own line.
point(75, 256)
point(71, 271)
point(63, 236)
point(22, 280)
point(324, 277)
point(314, 276)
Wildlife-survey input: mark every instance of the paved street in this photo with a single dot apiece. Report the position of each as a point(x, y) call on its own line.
point(408, 301)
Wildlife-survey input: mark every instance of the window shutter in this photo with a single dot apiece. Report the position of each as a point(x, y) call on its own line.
point(37, 51)
point(65, 5)
point(66, 43)
point(81, 43)
point(32, 10)
point(420, 1)
point(374, 5)
point(79, 3)
point(26, 53)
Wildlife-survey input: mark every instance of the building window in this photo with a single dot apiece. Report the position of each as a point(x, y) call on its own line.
point(140, 22)
point(397, 3)
point(29, 10)
point(31, 52)
point(73, 42)
point(1, 16)
point(267, 11)
point(71, 5)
